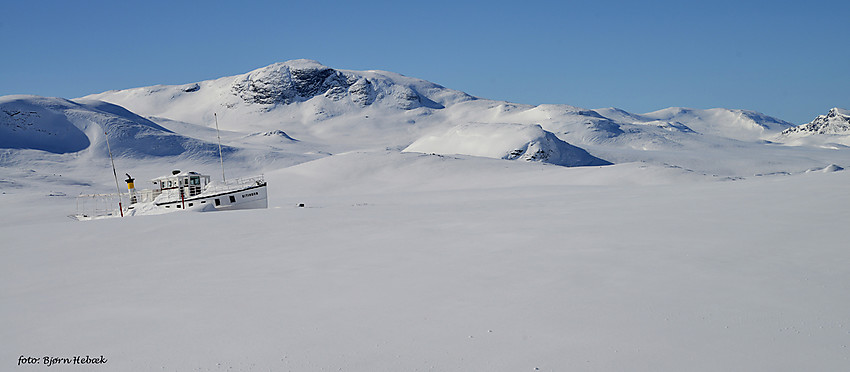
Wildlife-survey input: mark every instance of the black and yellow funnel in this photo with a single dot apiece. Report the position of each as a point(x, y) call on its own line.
point(131, 187)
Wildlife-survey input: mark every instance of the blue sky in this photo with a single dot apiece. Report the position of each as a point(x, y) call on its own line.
point(786, 59)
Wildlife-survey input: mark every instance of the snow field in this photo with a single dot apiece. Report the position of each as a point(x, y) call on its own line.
point(548, 267)
point(714, 243)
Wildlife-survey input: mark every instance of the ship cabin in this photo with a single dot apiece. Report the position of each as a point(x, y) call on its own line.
point(188, 183)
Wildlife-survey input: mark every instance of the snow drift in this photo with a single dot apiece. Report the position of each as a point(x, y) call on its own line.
point(505, 141)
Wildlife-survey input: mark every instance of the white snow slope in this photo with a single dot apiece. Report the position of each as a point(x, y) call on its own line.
point(700, 250)
point(505, 141)
point(61, 126)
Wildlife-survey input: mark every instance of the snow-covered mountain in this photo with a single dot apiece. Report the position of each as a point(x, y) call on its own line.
point(505, 141)
point(301, 110)
point(836, 121)
point(318, 104)
point(344, 110)
point(830, 131)
point(737, 124)
point(306, 98)
point(301, 95)
point(60, 126)
point(302, 80)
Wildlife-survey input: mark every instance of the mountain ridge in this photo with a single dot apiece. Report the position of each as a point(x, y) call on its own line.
point(329, 93)
point(314, 110)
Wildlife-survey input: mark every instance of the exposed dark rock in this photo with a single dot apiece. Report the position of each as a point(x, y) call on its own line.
point(191, 88)
point(284, 83)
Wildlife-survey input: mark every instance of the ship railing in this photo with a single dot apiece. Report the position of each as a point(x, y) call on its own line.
point(146, 195)
point(94, 206)
point(235, 184)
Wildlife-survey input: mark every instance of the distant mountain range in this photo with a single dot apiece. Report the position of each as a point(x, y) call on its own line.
point(304, 106)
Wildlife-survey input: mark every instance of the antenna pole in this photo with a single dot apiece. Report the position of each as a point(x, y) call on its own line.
point(117, 187)
point(220, 158)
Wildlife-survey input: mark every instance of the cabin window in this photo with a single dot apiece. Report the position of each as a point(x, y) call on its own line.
point(195, 181)
point(178, 205)
point(217, 202)
point(190, 204)
point(232, 199)
point(203, 201)
point(168, 206)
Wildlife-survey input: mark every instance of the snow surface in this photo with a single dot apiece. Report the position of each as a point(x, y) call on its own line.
point(418, 262)
point(712, 244)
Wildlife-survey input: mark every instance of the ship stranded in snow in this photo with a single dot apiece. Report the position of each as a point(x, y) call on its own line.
point(192, 190)
point(178, 191)
point(175, 192)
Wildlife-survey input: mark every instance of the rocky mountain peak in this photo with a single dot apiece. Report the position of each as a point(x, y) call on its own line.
point(837, 112)
point(836, 121)
point(288, 82)
point(301, 80)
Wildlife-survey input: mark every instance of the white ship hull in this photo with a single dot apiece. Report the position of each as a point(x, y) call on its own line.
point(248, 193)
point(253, 197)
point(188, 191)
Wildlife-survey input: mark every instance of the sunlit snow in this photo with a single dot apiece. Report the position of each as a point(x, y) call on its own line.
point(402, 235)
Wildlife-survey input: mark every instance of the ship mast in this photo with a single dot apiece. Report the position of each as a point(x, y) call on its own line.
point(117, 186)
point(220, 158)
